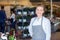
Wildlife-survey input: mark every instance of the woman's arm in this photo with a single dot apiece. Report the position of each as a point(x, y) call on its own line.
point(30, 27)
point(47, 29)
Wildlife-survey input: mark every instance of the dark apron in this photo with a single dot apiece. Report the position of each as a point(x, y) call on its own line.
point(38, 32)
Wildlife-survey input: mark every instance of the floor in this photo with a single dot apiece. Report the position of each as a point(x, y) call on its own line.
point(55, 36)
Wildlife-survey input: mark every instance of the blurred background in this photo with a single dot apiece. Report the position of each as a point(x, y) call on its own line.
point(19, 13)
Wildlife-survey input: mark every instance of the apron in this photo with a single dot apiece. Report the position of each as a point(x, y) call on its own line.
point(38, 32)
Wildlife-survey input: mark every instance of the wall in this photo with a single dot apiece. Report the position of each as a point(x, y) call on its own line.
point(7, 9)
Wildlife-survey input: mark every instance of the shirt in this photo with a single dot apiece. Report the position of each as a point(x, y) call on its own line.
point(2, 16)
point(13, 17)
point(45, 24)
point(11, 37)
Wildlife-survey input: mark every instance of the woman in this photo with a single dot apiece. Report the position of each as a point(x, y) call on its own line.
point(40, 27)
point(13, 19)
point(13, 15)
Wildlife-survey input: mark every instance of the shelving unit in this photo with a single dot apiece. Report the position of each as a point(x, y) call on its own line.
point(24, 16)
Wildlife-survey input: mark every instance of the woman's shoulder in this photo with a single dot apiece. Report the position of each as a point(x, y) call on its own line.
point(45, 19)
point(13, 14)
point(33, 18)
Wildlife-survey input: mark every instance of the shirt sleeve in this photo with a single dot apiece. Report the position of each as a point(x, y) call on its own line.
point(47, 29)
point(13, 16)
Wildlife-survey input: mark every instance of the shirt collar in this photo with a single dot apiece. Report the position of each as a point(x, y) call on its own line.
point(39, 18)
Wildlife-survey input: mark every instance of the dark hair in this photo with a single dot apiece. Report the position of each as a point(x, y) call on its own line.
point(41, 5)
point(12, 11)
point(2, 7)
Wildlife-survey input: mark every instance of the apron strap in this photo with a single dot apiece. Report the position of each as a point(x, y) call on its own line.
point(41, 21)
point(33, 20)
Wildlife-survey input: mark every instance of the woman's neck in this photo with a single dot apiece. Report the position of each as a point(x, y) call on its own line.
point(39, 17)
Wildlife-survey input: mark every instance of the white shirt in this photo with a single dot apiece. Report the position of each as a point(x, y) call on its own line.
point(45, 24)
point(13, 17)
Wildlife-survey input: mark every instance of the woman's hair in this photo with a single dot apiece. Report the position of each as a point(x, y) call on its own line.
point(41, 5)
point(12, 10)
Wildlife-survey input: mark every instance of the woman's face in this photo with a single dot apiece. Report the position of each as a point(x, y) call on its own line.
point(39, 11)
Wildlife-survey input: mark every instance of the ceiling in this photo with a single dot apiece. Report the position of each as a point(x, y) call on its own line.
point(28, 2)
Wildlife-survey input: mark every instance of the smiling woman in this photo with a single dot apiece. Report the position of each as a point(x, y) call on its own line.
point(38, 28)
